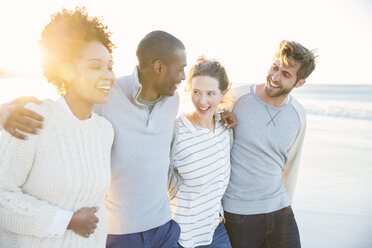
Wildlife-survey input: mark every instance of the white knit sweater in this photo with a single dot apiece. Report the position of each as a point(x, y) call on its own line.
point(66, 166)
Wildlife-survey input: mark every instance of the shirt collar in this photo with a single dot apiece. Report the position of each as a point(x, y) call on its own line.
point(137, 88)
point(61, 102)
point(193, 128)
point(187, 123)
point(137, 85)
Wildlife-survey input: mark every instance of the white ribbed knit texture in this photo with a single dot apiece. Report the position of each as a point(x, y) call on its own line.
point(66, 166)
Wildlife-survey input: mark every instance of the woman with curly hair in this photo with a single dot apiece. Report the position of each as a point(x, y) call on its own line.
point(53, 185)
point(200, 160)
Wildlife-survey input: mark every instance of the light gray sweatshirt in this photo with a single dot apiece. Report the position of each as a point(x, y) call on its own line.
point(267, 144)
point(137, 199)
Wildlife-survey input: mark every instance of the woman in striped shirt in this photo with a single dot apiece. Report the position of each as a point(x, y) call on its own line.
point(200, 160)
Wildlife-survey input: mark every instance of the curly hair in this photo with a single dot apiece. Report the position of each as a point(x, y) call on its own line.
point(62, 40)
point(211, 68)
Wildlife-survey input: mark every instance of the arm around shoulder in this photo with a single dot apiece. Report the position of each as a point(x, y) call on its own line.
point(14, 117)
point(4, 113)
point(233, 95)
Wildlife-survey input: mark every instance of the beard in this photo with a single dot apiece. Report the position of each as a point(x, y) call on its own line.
point(279, 92)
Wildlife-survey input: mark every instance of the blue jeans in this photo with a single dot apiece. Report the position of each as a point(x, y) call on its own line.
point(165, 236)
point(272, 230)
point(220, 238)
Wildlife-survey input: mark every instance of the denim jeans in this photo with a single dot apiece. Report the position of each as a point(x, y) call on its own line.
point(220, 238)
point(272, 230)
point(165, 236)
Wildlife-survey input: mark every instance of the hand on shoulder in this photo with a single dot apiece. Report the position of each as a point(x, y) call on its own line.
point(15, 118)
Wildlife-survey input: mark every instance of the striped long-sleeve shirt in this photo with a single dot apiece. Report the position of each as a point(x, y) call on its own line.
point(202, 159)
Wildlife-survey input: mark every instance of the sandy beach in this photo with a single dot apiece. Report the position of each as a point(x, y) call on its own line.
point(333, 199)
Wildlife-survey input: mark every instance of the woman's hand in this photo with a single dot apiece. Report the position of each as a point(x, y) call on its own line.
point(84, 221)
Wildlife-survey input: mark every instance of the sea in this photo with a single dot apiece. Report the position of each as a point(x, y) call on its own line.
point(333, 198)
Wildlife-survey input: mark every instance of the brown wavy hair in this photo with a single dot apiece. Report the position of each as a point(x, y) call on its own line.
point(211, 68)
point(291, 52)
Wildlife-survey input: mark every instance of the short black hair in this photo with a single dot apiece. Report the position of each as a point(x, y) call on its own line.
point(158, 45)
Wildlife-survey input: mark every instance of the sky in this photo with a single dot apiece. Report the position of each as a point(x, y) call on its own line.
point(242, 35)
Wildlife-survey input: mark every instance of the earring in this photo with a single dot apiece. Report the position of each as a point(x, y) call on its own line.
point(62, 90)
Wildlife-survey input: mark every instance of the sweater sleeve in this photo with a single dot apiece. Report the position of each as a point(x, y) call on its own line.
point(290, 170)
point(20, 212)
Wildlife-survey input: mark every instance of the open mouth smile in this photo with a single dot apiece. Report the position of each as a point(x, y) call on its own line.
point(104, 86)
point(203, 110)
point(273, 85)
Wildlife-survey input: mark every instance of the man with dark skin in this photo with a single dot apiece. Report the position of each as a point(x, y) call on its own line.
point(17, 119)
point(142, 109)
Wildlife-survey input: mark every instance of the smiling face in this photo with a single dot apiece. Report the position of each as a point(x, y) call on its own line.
point(93, 76)
point(281, 80)
point(173, 74)
point(206, 96)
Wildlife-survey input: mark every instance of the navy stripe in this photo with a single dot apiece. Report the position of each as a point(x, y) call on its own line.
point(180, 133)
point(192, 215)
point(183, 124)
point(221, 132)
point(200, 196)
point(204, 184)
point(212, 179)
point(223, 157)
point(192, 137)
point(195, 137)
point(203, 141)
point(219, 124)
point(195, 228)
point(206, 174)
point(190, 192)
point(201, 151)
point(198, 220)
point(196, 206)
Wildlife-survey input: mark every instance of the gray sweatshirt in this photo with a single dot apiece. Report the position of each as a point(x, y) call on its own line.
point(137, 199)
point(267, 141)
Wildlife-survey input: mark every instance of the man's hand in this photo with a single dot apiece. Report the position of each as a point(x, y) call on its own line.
point(84, 221)
point(15, 117)
point(228, 119)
